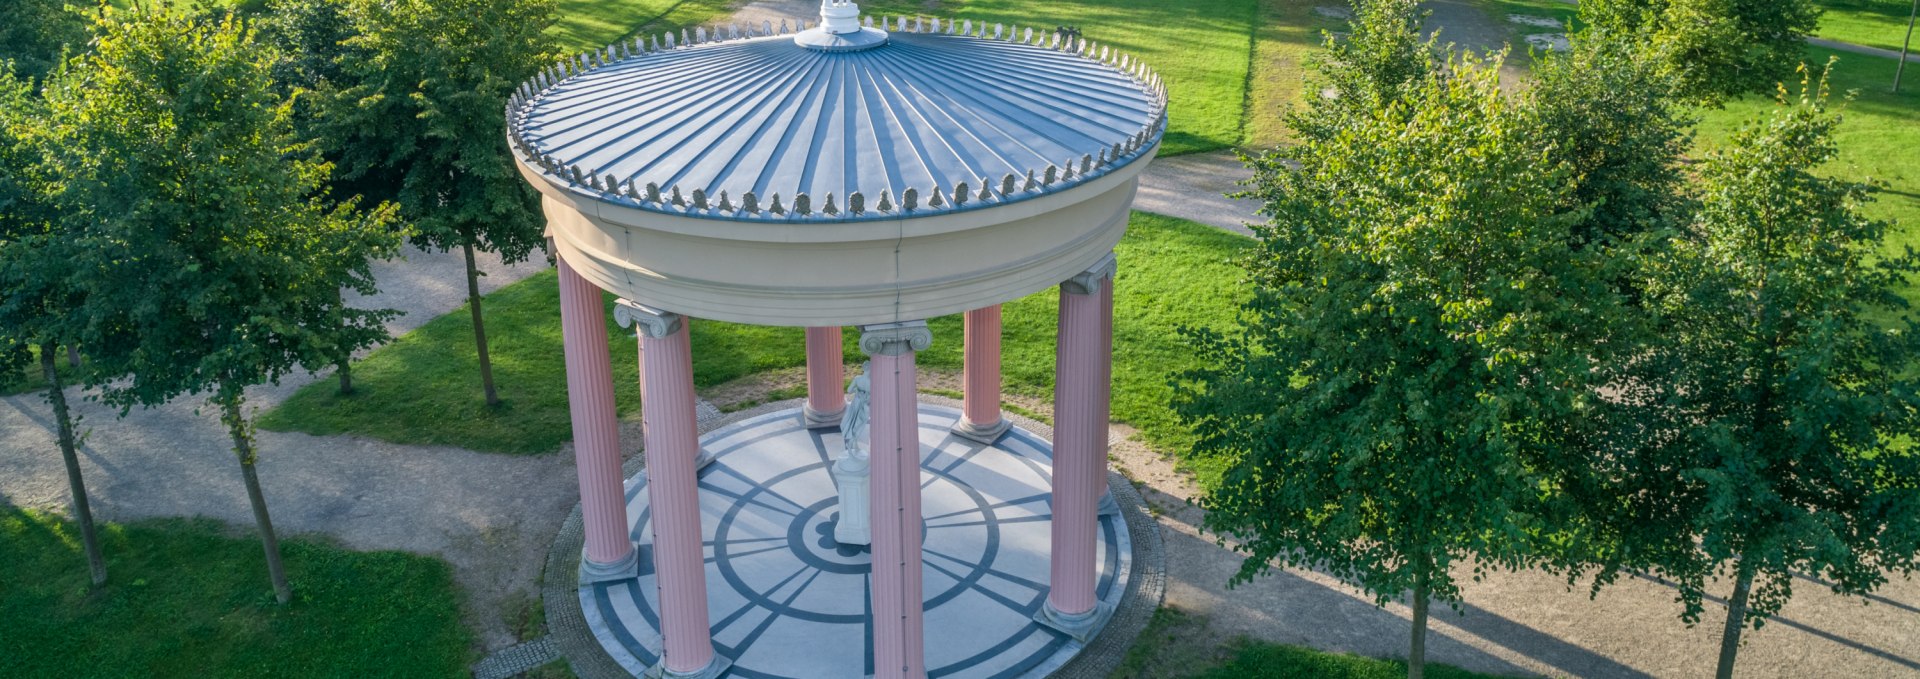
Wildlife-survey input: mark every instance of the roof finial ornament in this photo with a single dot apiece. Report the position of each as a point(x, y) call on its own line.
point(841, 30)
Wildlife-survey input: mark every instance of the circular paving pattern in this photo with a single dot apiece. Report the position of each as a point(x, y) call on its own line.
point(786, 600)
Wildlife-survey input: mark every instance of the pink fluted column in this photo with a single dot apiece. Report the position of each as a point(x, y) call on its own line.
point(826, 379)
point(596, 430)
point(673, 463)
point(981, 420)
point(1080, 409)
point(899, 633)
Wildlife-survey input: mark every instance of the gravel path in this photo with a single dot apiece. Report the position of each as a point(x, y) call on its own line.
point(1519, 623)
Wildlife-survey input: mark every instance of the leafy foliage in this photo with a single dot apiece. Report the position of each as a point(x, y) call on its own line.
point(1416, 362)
point(207, 257)
point(1614, 120)
point(34, 34)
point(1382, 61)
point(419, 109)
point(1715, 49)
point(21, 198)
point(1409, 348)
point(1774, 417)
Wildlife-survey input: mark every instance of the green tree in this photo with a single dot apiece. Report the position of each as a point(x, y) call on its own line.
point(1616, 123)
point(207, 260)
point(34, 33)
point(1416, 356)
point(1381, 61)
point(311, 39)
point(1775, 413)
point(1715, 49)
point(422, 112)
point(34, 306)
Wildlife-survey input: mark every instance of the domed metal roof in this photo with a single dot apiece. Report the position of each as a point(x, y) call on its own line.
point(747, 124)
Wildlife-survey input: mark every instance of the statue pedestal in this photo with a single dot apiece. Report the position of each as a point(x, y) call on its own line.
point(854, 527)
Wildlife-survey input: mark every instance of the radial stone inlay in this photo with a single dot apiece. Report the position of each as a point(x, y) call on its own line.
point(788, 601)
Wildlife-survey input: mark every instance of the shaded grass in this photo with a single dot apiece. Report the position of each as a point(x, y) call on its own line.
point(1874, 23)
point(186, 600)
point(424, 387)
point(1178, 645)
point(1262, 660)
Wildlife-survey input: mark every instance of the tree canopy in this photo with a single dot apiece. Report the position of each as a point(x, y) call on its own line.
point(423, 103)
point(198, 244)
point(419, 111)
point(1615, 121)
point(1714, 49)
point(208, 258)
point(35, 33)
point(1417, 355)
point(1774, 413)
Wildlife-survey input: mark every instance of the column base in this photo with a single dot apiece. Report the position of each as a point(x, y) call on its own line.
point(1082, 627)
point(713, 670)
point(813, 419)
point(592, 573)
point(985, 434)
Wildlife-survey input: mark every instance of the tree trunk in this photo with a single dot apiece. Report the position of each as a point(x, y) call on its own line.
point(346, 376)
point(1736, 621)
point(1417, 655)
point(240, 429)
point(82, 512)
point(73, 355)
point(479, 326)
point(1901, 68)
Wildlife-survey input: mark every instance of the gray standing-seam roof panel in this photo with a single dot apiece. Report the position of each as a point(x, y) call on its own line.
point(763, 116)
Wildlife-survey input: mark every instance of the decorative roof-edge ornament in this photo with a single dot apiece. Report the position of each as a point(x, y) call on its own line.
point(991, 193)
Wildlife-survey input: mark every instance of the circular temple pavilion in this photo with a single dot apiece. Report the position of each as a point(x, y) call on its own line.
point(843, 174)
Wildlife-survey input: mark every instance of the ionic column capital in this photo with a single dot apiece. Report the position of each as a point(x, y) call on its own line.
point(653, 323)
point(895, 339)
point(1090, 281)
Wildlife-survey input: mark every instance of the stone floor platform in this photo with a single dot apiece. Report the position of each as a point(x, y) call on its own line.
point(786, 600)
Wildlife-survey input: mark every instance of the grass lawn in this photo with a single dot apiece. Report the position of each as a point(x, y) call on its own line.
point(596, 23)
point(1179, 646)
point(1874, 23)
point(424, 387)
point(1879, 138)
point(187, 600)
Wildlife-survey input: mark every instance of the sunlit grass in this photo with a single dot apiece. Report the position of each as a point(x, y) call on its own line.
point(1874, 23)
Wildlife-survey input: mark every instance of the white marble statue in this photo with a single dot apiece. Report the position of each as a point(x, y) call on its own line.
point(850, 472)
